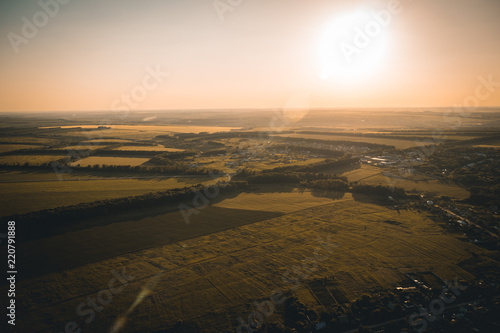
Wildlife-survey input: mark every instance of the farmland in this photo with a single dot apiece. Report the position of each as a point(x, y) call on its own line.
point(225, 270)
point(6, 147)
point(42, 191)
point(395, 142)
point(89, 161)
point(376, 176)
point(378, 202)
point(159, 128)
point(33, 159)
point(148, 148)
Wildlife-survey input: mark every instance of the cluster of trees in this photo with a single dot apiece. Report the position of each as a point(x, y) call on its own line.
point(319, 181)
point(484, 195)
point(475, 168)
point(35, 151)
point(379, 190)
point(168, 157)
point(368, 135)
point(79, 153)
point(226, 135)
point(214, 152)
point(341, 142)
point(312, 150)
point(481, 140)
point(326, 165)
point(273, 178)
point(46, 222)
point(388, 310)
point(174, 168)
point(338, 185)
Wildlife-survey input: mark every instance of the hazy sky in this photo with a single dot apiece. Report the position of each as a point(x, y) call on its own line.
point(89, 54)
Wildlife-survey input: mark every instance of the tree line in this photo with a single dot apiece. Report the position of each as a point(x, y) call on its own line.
point(60, 166)
point(45, 222)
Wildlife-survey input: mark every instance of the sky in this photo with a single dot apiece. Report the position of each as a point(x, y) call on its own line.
point(76, 55)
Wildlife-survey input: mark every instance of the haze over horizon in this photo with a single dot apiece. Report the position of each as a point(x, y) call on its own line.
point(86, 56)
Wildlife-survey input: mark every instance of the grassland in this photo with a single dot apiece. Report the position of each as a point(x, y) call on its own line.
point(218, 274)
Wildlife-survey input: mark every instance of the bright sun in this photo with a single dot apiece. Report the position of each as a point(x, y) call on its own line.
point(353, 45)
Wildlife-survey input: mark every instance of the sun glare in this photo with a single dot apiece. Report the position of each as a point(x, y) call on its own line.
point(353, 45)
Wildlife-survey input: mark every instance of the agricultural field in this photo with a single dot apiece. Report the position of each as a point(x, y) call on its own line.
point(32, 159)
point(6, 147)
point(28, 140)
point(158, 128)
point(18, 176)
point(159, 148)
point(229, 165)
point(400, 144)
point(411, 183)
point(280, 199)
point(93, 160)
point(222, 272)
point(488, 146)
point(107, 141)
point(35, 192)
point(211, 264)
point(82, 147)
